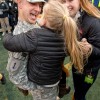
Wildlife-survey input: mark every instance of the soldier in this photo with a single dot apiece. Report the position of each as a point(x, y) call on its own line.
point(28, 11)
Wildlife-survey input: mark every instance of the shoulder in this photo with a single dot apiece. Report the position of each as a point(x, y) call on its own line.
point(90, 25)
point(39, 30)
point(94, 22)
point(44, 31)
point(89, 21)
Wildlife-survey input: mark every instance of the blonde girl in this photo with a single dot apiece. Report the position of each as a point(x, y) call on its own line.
point(62, 22)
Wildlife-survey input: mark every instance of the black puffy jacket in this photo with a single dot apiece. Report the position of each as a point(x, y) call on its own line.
point(46, 53)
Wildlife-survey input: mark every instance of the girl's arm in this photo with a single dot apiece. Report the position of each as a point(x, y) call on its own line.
point(24, 42)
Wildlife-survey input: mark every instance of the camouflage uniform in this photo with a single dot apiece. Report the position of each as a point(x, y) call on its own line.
point(44, 93)
point(17, 63)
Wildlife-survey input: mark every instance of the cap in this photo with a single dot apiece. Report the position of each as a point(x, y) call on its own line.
point(34, 1)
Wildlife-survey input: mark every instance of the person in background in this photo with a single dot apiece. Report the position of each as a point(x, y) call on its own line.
point(88, 22)
point(13, 13)
point(47, 49)
point(96, 3)
point(2, 78)
point(4, 17)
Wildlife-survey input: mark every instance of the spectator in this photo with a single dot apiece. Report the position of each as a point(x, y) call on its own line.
point(4, 17)
point(13, 13)
point(2, 78)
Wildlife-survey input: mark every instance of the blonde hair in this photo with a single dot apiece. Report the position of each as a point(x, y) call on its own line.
point(59, 19)
point(87, 6)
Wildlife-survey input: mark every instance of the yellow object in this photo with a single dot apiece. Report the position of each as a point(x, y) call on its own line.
point(99, 4)
point(64, 17)
point(1, 76)
point(66, 68)
point(73, 97)
point(68, 65)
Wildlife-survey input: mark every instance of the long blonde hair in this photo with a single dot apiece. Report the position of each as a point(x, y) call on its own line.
point(87, 6)
point(59, 19)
